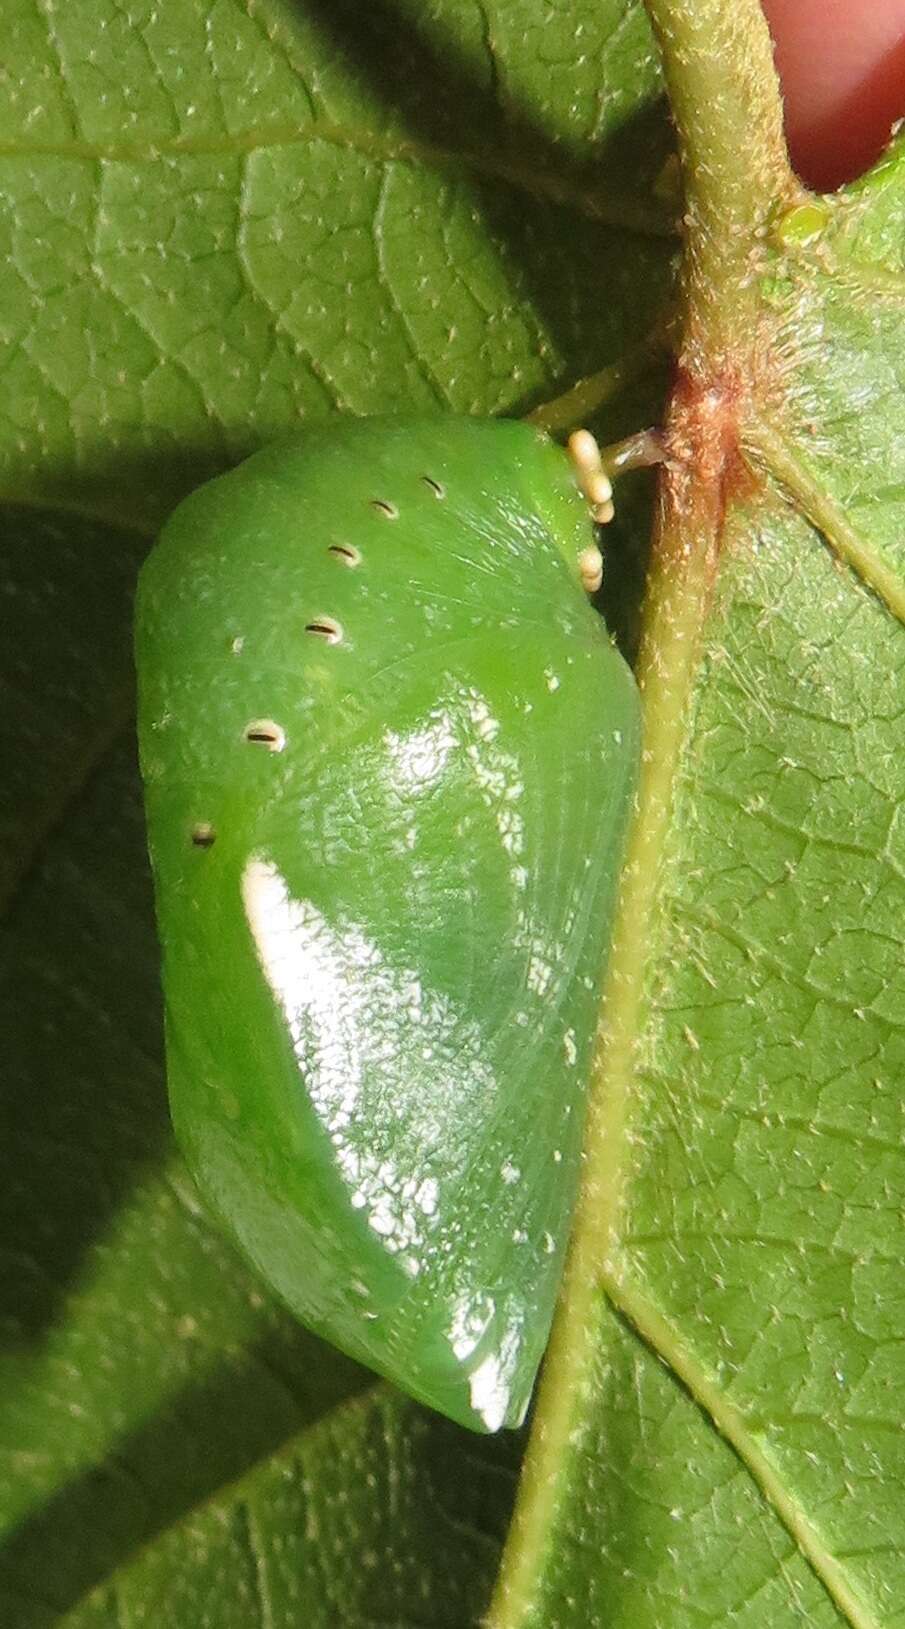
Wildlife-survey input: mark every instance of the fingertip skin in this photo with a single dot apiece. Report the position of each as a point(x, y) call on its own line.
point(388, 751)
point(842, 68)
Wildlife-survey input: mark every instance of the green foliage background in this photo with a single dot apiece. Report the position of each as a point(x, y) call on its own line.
point(219, 219)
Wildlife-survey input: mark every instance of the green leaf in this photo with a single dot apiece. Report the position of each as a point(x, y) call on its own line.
point(723, 1401)
point(217, 224)
point(217, 220)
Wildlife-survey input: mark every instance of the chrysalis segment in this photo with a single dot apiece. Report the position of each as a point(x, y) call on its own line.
point(388, 749)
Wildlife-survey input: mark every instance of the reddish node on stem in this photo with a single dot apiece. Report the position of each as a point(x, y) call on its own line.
point(705, 469)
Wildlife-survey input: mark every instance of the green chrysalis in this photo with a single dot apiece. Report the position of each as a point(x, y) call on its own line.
point(388, 749)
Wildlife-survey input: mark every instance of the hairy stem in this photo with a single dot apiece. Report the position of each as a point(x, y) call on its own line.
point(724, 94)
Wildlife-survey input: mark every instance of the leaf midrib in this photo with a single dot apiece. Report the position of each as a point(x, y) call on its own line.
point(597, 203)
point(662, 1337)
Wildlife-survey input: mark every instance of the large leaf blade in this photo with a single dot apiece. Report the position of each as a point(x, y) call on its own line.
point(167, 311)
point(757, 1139)
point(217, 224)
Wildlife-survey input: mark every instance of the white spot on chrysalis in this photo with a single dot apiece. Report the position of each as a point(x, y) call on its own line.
point(264, 732)
point(496, 773)
point(470, 1321)
point(420, 757)
point(346, 554)
point(427, 1196)
point(490, 1381)
point(325, 628)
point(357, 1024)
point(489, 1391)
point(539, 976)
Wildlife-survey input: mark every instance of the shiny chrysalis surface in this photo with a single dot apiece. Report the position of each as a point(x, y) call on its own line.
point(388, 750)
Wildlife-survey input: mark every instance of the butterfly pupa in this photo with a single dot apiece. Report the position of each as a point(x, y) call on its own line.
point(388, 750)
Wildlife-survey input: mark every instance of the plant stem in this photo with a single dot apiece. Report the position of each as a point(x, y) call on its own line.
point(780, 459)
point(724, 94)
point(587, 396)
point(725, 100)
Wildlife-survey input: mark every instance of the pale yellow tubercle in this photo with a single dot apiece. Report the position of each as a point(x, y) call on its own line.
point(595, 483)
